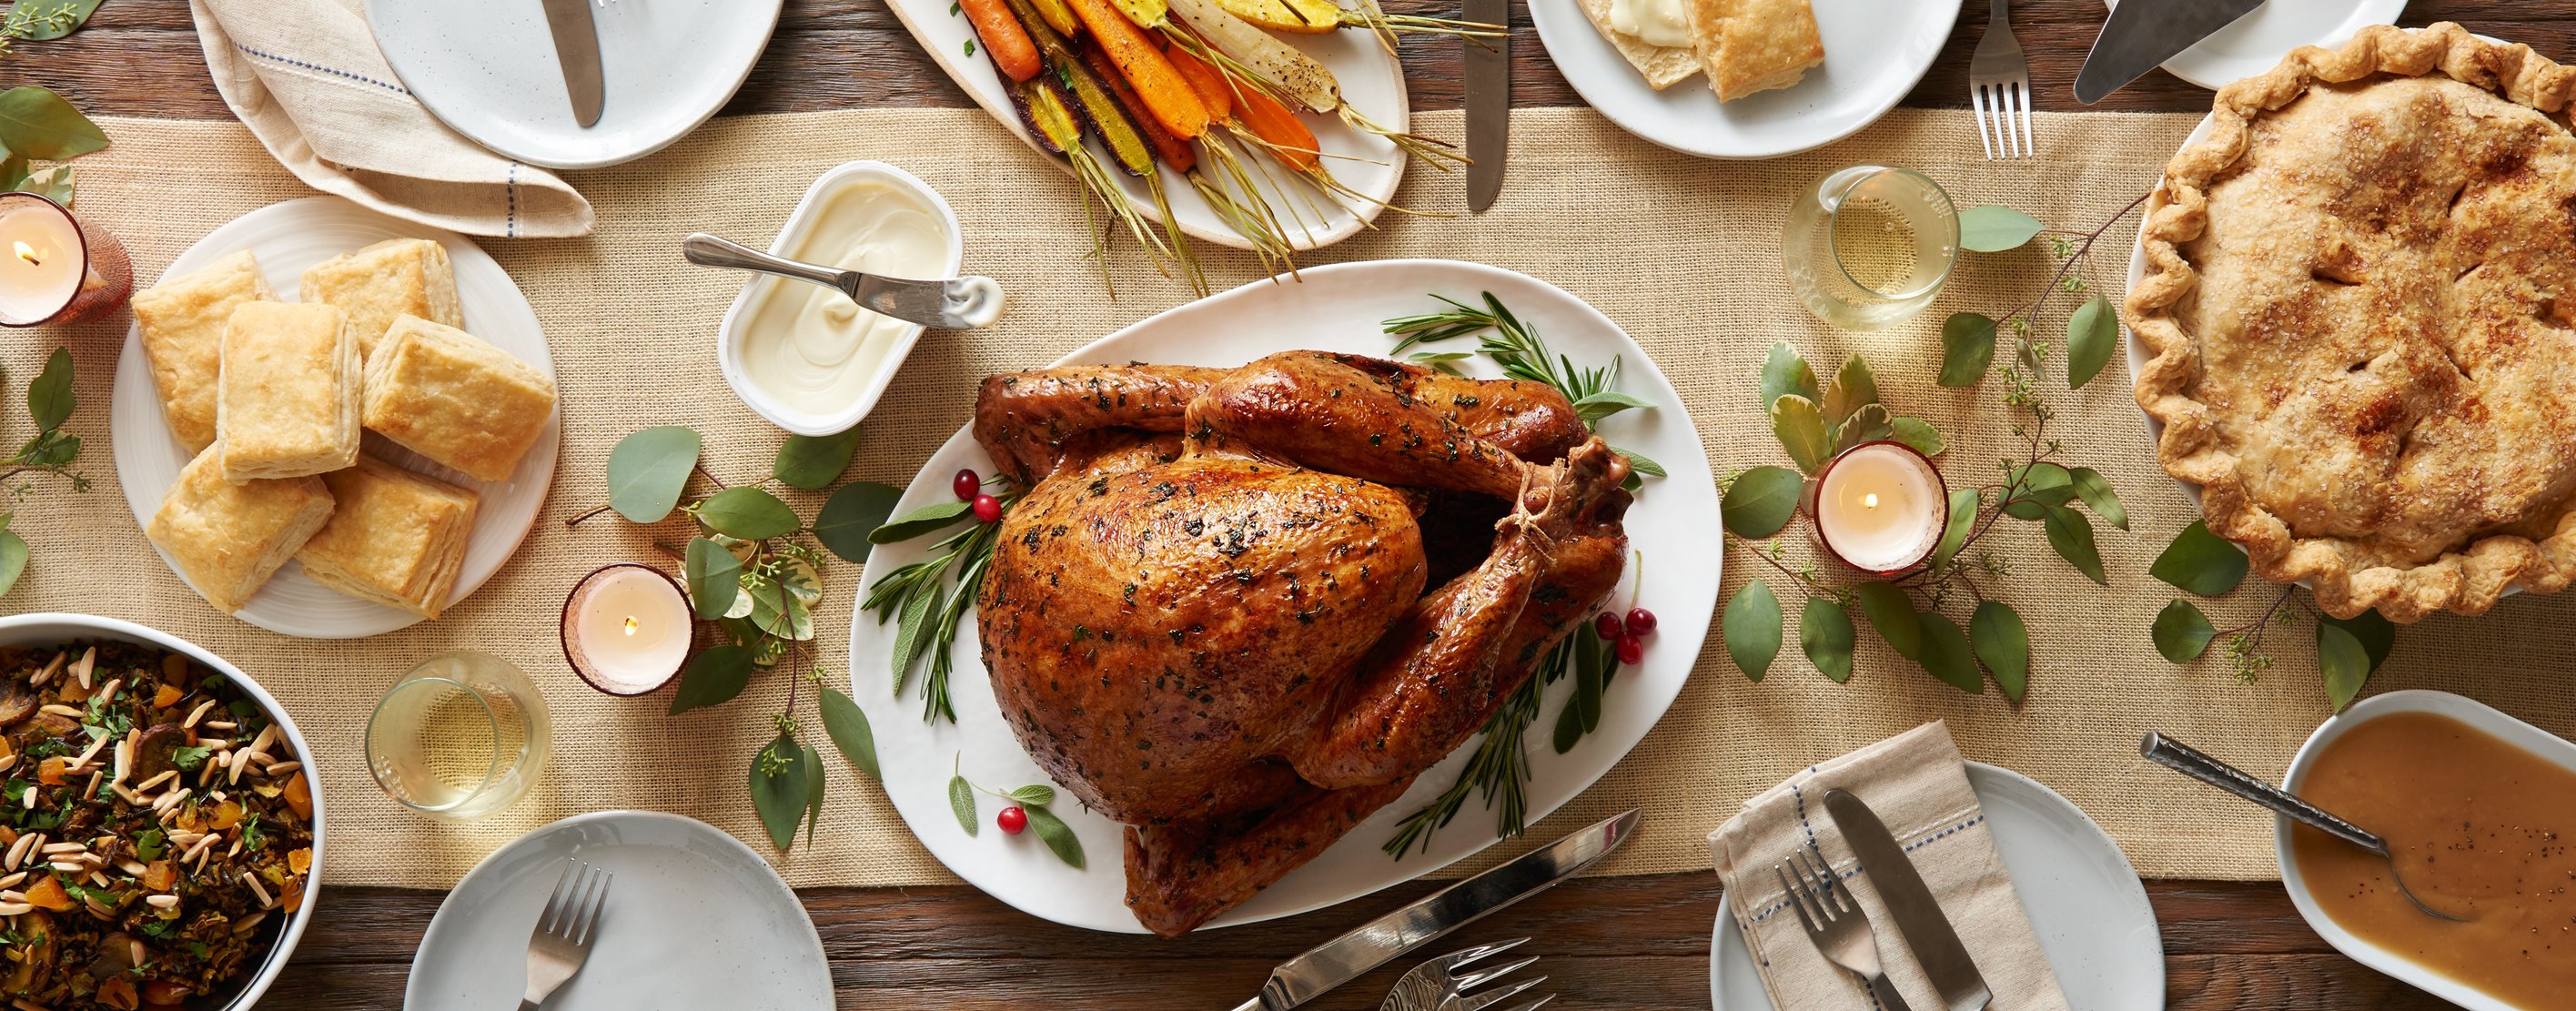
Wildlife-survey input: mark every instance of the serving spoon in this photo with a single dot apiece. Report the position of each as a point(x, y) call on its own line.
point(2189, 761)
point(958, 303)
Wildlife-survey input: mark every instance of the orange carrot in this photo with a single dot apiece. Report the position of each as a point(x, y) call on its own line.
point(1162, 89)
point(1204, 80)
point(1003, 37)
point(1173, 151)
point(1280, 128)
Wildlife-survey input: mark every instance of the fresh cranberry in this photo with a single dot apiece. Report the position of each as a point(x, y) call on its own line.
point(1640, 622)
point(1608, 625)
point(1012, 820)
point(1631, 651)
point(988, 508)
point(967, 484)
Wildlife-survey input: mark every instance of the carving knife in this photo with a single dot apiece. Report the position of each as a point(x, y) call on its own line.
point(1909, 902)
point(577, 49)
point(1489, 101)
point(2142, 34)
point(1381, 940)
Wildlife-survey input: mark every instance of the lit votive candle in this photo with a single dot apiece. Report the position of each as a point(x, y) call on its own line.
point(626, 628)
point(46, 264)
point(1881, 507)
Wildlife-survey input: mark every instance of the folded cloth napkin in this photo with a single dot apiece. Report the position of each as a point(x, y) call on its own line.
point(306, 77)
point(1917, 784)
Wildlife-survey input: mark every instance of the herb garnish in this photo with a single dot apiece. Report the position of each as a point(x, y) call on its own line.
point(918, 594)
point(1032, 801)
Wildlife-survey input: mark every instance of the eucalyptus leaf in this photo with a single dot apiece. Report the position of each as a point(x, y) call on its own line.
point(2343, 664)
point(814, 461)
point(58, 185)
point(2092, 333)
point(847, 725)
point(1761, 501)
point(648, 470)
point(777, 611)
point(752, 514)
point(15, 174)
point(2375, 632)
point(47, 20)
point(1869, 424)
point(1057, 835)
point(961, 802)
point(1605, 403)
point(2200, 562)
point(2181, 632)
point(1995, 228)
point(1801, 429)
point(927, 519)
point(1751, 628)
point(2002, 643)
point(2096, 492)
point(816, 777)
point(1917, 433)
point(2072, 535)
point(38, 124)
point(1853, 388)
point(714, 576)
point(853, 513)
point(780, 789)
point(49, 399)
point(1967, 349)
point(1964, 506)
point(1825, 632)
point(13, 559)
point(1784, 373)
point(1891, 612)
point(1947, 655)
point(713, 677)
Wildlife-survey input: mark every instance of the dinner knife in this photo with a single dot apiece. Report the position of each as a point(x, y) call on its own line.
point(1909, 902)
point(1381, 940)
point(577, 49)
point(2142, 34)
point(1489, 101)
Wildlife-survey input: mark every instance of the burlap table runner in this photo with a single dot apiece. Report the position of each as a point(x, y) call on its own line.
point(1682, 252)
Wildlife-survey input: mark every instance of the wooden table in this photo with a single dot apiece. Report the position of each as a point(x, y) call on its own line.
point(1630, 942)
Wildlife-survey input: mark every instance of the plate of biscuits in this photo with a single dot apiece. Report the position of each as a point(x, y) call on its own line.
point(333, 423)
point(1743, 78)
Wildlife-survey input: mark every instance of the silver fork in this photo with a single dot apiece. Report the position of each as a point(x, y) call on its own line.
point(1999, 84)
point(1437, 986)
point(562, 938)
point(1835, 923)
point(958, 303)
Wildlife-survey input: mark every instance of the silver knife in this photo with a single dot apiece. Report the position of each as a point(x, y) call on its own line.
point(1381, 940)
point(1489, 101)
point(1909, 902)
point(2141, 34)
point(577, 48)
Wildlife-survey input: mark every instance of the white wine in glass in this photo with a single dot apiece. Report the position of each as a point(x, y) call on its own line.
point(1869, 246)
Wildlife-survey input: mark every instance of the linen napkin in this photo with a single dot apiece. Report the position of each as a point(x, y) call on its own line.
point(1918, 785)
point(306, 77)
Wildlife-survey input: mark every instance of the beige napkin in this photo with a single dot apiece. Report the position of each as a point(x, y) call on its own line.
point(1918, 786)
point(305, 76)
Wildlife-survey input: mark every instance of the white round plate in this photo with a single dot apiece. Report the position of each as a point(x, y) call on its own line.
point(693, 919)
point(1874, 53)
point(487, 68)
point(1335, 308)
point(2085, 904)
point(289, 237)
point(1371, 81)
point(2257, 41)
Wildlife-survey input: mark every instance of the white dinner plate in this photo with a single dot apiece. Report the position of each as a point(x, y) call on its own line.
point(1372, 82)
point(1336, 308)
point(693, 919)
point(1874, 53)
point(487, 68)
point(2256, 42)
point(289, 237)
point(2084, 901)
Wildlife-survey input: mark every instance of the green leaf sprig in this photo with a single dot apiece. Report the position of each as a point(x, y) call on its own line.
point(1032, 801)
point(37, 125)
point(1524, 355)
point(920, 598)
point(2092, 329)
point(2198, 562)
point(51, 451)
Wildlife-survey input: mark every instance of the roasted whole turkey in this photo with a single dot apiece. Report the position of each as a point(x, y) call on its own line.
point(1240, 610)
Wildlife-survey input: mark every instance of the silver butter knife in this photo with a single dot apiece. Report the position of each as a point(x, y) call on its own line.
point(577, 48)
point(1381, 940)
point(1909, 902)
point(2143, 34)
point(957, 303)
point(1488, 74)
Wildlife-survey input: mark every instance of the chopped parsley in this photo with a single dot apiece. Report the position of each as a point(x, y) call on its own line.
point(151, 843)
point(189, 758)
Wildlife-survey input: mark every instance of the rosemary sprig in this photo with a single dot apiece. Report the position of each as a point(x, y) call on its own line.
point(918, 596)
point(1524, 355)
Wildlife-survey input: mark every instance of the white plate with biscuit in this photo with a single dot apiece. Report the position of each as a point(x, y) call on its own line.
point(1874, 52)
point(391, 530)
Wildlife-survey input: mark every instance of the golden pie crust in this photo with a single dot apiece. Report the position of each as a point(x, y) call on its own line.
point(2360, 300)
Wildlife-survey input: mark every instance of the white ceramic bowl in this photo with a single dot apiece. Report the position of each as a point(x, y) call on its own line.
point(730, 336)
point(34, 629)
point(2476, 714)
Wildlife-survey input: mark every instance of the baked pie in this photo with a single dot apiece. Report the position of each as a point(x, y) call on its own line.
point(286, 398)
point(181, 321)
point(396, 538)
point(227, 538)
point(384, 282)
point(2360, 300)
point(456, 399)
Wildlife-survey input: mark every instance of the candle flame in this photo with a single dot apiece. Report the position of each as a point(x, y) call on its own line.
point(1869, 501)
point(28, 253)
point(630, 624)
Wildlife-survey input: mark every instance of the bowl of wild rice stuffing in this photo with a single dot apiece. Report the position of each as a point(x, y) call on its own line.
point(160, 834)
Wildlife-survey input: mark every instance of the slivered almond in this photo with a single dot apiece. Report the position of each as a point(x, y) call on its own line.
point(58, 709)
point(246, 925)
point(252, 880)
point(281, 768)
point(222, 725)
point(64, 847)
point(165, 776)
point(196, 714)
point(82, 667)
point(109, 693)
point(52, 667)
point(162, 901)
point(132, 867)
point(85, 756)
point(203, 843)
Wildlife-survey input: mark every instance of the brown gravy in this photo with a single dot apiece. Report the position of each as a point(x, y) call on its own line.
point(2481, 829)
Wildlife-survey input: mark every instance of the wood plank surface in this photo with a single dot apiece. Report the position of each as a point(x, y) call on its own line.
point(1635, 942)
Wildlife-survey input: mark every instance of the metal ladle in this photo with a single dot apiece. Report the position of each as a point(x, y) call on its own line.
point(2187, 760)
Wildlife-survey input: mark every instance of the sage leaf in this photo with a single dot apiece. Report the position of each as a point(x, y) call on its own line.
point(2072, 535)
point(1592, 668)
point(815, 778)
point(1869, 424)
point(1801, 430)
point(13, 559)
point(779, 788)
point(1917, 433)
point(814, 461)
point(47, 20)
point(911, 632)
point(1964, 506)
point(1605, 403)
point(751, 514)
point(1569, 728)
point(1639, 464)
point(2181, 632)
point(961, 800)
point(1751, 629)
point(1995, 228)
point(1825, 633)
point(1057, 835)
point(38, 124)
point(1967, 349)
point(1853, 388)
point(1784, 373)
point(714, 576)
point(2376, 633)
point(2002, 643)
point(2096, 492)
point(2343, 664)
point(648, 470)
point(49, 398)
point(2092, 332)
point(1891, 612)
point(847, 725)
point(1947, 656)
point(1761, 501)
point(926, 519)
point(712, 678)
point(2200, 562)
point(1039, 794)
point(851, 514)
